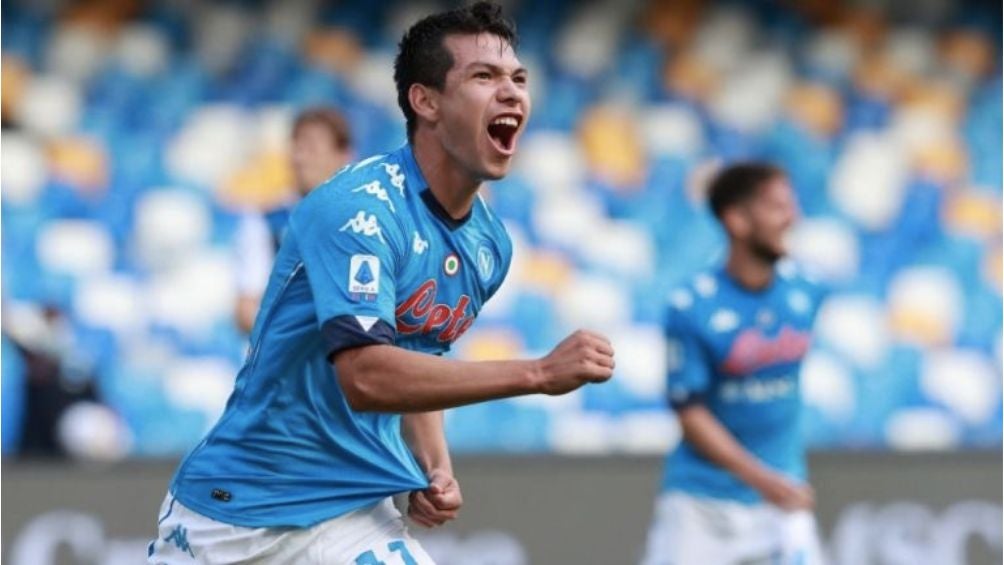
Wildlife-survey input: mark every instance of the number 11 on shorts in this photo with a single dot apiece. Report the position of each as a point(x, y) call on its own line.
point(369, 558)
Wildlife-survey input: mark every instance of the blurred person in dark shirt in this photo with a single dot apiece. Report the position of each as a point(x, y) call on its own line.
point(55, 377)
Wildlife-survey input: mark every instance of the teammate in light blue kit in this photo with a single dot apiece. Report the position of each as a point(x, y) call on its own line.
point(381, 269)
point(735, 490)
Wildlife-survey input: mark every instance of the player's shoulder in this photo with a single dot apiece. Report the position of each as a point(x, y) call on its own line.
point(792, 274)
point(688, 298)
point(370, 192)
point(802, 290)
point(377, 181)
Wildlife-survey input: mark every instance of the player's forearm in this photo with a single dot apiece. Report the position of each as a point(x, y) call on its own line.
point(385, 378)
point(713, 440)
point(423, 431)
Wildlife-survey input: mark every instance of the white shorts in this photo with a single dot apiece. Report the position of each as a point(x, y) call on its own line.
point(690, 530)
point(374, 535)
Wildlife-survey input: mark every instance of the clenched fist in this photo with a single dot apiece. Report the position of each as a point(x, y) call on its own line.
point(583, 357)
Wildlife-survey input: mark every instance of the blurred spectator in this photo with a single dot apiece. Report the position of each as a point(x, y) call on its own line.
point(54, 377)
point(322, 144)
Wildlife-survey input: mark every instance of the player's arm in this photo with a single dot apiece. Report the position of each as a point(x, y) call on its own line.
point(352, 245)
point(688, 383)
point(254, 257)
point(710, 438)
point(387, 378)
point(440, 502)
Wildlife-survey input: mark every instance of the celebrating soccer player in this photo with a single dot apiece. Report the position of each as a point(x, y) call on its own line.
point(735, 490)
point(337, 406)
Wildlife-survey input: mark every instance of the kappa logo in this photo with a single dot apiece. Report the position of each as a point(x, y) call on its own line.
point(179, 537)
point(799, 302)
point(376, 189)
point(705, 285)
point(724, 320)
point(419, 245)
point(681, 299)
point(364, 277)
point(396, 176)
point(486, 263)
point(364, 224)
point(421, 314)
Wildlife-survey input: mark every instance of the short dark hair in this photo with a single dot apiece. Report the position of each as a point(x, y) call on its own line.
point(423, 59)
point(330, 118)
point(737, 183)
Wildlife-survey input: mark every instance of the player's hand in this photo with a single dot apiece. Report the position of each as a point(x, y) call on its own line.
point(785, 493)
point(583, 357)
point(437, 504)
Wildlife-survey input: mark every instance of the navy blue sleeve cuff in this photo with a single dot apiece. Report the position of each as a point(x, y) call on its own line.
point(346, 332)
point(680, 401)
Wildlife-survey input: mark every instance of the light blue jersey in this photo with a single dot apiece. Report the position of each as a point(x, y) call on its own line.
point(738, 352)
point(369, 257)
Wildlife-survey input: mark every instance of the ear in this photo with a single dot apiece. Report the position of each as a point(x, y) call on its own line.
point(736, 222)
point(424, 102)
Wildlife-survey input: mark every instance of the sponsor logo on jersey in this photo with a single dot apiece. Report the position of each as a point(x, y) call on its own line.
point(376, 189)
point(451, 264)
point(421, 314)
point(364, 277)
point(486, 262)
point(752, 350)
point(365, 224)
point(419, 245)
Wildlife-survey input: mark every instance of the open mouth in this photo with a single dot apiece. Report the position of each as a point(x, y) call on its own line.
point(502, 131)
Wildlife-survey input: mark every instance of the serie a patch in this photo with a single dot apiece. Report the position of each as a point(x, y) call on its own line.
point(364, 277)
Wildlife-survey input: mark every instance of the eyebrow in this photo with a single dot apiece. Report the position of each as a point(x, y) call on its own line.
point(495, 68)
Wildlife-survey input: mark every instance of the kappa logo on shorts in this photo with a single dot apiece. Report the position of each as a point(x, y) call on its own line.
point(364, 277)
point(179, 537)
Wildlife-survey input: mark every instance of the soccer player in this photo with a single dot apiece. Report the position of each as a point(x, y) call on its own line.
point(322, 144)
point(735, 490)
point(337, 407)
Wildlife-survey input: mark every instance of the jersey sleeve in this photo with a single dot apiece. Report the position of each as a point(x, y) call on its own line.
point(350, 242)
point(689, 372)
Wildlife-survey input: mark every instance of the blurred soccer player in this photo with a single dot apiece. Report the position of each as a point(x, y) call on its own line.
point(382, 268)
point(735, 490)
point(322, 144)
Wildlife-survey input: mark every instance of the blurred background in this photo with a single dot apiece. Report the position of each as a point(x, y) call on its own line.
point(136, 135)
